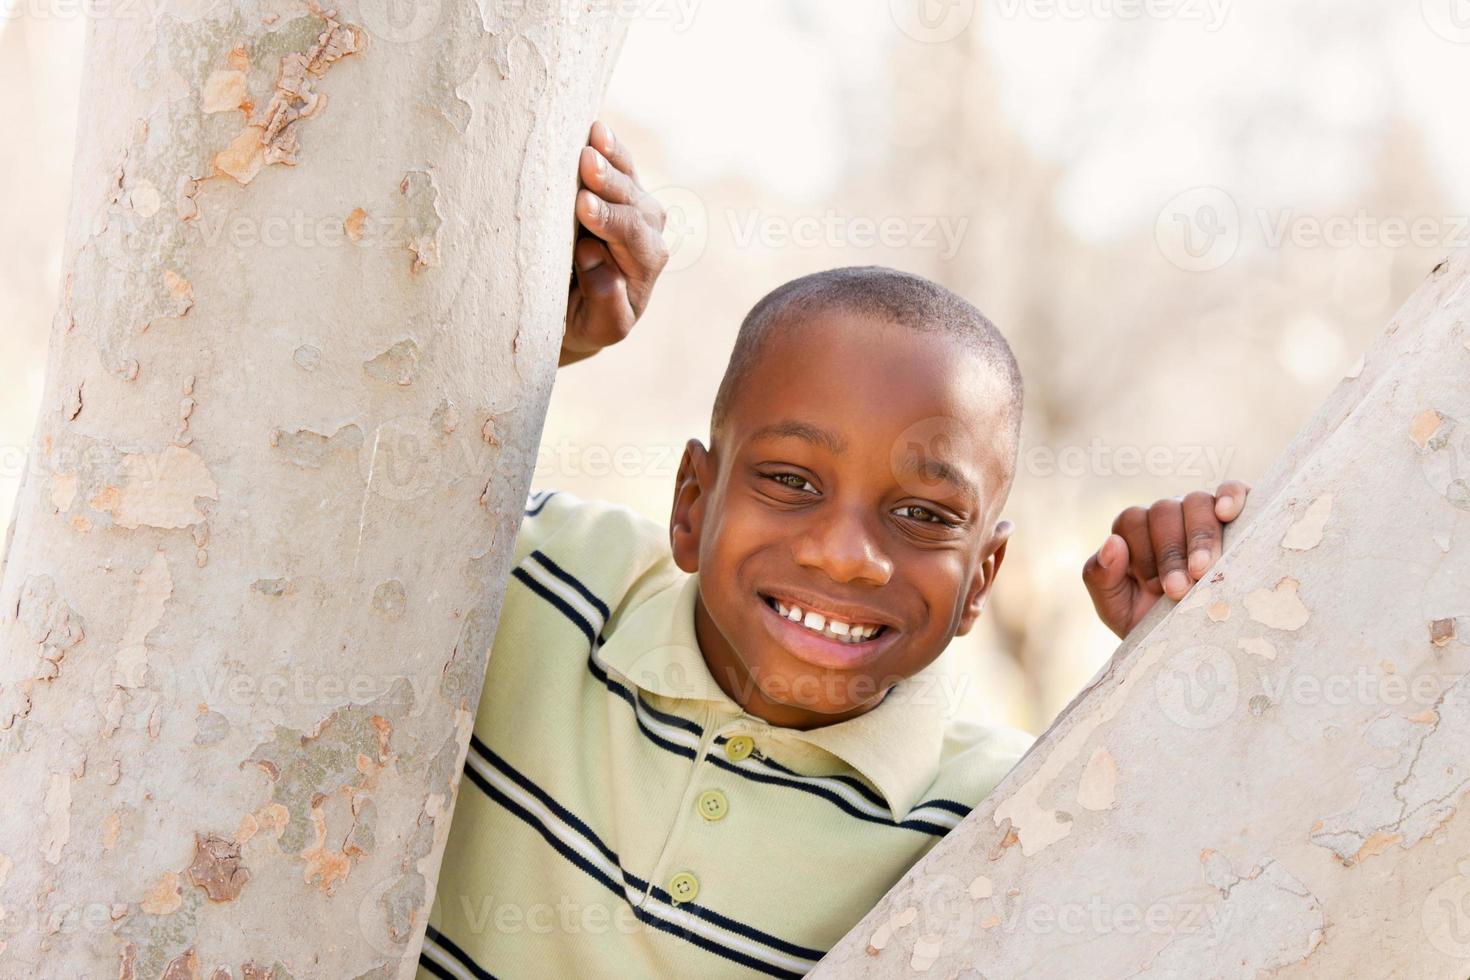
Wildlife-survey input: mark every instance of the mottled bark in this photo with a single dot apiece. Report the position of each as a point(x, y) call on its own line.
point(314, 287)
point(1270, 777)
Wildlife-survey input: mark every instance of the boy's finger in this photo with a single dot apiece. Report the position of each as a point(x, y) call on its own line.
point(1230, 499)
point(1106, 576)
point(1132, 527)
point(1166, 532)
point(607, 182)
point(589, 254)
point(635, 246)
point(608, 144)
point(607, 315)
point(1203, 532)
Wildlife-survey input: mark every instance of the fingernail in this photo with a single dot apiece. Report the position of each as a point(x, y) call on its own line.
point(1199, 562)
point(1102, 554)
point(1226, 501)
point(1176, 582)
point(595, 205)
point(608, 140)
point(600, 162)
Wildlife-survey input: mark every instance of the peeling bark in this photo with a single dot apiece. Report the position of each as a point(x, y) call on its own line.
point(313, 254)
point(1281, 793)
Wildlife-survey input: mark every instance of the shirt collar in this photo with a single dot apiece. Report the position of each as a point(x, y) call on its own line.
point(896, 745)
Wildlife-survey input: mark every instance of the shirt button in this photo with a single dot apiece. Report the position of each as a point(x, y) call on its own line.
point(713, 805)
point(683, 887)
point(739, 748)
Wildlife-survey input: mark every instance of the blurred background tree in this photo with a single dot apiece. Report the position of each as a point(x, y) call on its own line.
point(1189, 217)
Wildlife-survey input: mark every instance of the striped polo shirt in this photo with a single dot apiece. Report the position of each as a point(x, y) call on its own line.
point(620, 816)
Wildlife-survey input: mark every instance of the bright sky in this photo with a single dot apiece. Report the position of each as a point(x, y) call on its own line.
point(1275, 99)
point(1276, 96)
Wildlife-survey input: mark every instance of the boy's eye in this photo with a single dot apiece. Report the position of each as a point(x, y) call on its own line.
point(793, 480)
point(918, 513)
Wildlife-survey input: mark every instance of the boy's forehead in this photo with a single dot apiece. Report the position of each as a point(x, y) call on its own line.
point(839, 359)
point(844, 383)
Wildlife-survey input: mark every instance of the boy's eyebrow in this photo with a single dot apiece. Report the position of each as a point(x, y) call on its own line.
point(932, 469)
point(928, 468)
point(796, 429)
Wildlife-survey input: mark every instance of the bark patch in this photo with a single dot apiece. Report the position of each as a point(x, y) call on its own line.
point(312, 450)
point(216, 867)
point(1306, 533)
point(397, 365)
point(158, 490)
point(1278, 607)
point(272, 134)
point(421, 198)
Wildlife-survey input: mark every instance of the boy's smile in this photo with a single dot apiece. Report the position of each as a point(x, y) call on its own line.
point(843, 519)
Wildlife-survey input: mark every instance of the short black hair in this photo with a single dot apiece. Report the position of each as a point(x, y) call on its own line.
point(882, 294)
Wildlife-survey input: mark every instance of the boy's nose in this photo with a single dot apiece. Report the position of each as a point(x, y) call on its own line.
point(844, 546)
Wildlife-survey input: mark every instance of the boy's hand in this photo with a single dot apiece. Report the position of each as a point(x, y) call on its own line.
point(620, 249)
point(1157, 551)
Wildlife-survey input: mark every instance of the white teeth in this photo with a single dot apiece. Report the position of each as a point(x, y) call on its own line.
point(833, 628)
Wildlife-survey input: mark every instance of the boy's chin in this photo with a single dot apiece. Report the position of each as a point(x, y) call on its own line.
point(817, 692)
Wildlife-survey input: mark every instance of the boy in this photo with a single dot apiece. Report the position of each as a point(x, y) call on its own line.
point(710, 753)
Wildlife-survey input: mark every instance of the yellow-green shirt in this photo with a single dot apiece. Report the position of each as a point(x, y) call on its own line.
point(621, 817)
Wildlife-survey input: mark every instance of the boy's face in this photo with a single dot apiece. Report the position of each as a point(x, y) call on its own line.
point(858, 479)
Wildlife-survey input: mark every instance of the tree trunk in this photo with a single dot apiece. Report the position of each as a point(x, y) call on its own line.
point(1270, 776)
point(316, 275)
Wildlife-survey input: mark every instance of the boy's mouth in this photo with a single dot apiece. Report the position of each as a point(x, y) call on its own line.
point(824, 624)
point(813, 632)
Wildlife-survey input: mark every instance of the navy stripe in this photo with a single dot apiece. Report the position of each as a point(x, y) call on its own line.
point(959, 809)
point(740, 928)
point(833, 798)
point(577, 618)
point(602, 675)
point(571, 580)
point(862, 788)
point(581, 622)
point(441, 972)
point(673, 720)
point(452, 948)
point(760, 966)
point(540, 505)
point(566, 816)
point(597, 875)
point(597, 670)
point(571, 819)
point(556, 842)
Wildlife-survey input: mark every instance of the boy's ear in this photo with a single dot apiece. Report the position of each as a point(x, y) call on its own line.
point(691, 488)
point(985, 578)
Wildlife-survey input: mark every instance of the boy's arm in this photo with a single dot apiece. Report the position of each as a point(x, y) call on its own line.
point(1159, 550)
point(619, 252)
